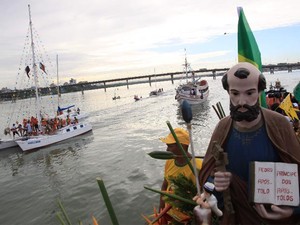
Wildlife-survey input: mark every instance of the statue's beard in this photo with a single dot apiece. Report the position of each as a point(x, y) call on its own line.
point(249, 115)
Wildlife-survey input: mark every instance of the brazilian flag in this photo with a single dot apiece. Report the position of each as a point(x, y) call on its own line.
point(248, 50)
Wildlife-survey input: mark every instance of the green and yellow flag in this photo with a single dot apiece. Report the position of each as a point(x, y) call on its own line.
point(248, 50)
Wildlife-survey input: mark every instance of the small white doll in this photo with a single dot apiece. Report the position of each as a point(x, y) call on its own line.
point(207, 202)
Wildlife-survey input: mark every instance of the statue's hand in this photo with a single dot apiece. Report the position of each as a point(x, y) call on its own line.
point(276, 212)
point(198, 200)
point(222, 180)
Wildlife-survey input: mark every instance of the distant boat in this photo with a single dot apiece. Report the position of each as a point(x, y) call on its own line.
point(156, 92)
point(137, 98)
point(193, 91)
point(115, 96)
point(43, 139)
point(275, 94)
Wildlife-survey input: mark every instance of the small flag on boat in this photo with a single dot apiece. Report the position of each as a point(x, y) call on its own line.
point(42, 67)
point(248, 50)
point(288, 108)
point(27, 70)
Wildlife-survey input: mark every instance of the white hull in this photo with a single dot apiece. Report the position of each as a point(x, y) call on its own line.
point(192, 99)
point(7, 144)
point(193, 93)
point(63, 134)
point(10, 143)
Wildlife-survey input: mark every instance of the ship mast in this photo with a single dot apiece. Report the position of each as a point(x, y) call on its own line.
point(38, 110)
point(58, 93)
point(187, 68)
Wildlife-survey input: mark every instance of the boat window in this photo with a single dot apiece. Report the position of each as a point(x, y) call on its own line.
point(68, 130)
point(74, 128)
point(81, 125)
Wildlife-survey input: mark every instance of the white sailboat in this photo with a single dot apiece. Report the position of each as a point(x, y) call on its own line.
point(64, 133)
point(193, 91)
point(156, 92)
point(115, 95)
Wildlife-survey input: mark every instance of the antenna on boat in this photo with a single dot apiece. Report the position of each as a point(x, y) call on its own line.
point(38, 110)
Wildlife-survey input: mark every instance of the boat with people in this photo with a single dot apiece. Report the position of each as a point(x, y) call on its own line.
point(137, 98)
point(62, 134)
point(46, 131)
point(115, 95)
point(275, 94)
point(194, 91)
point(156, 92)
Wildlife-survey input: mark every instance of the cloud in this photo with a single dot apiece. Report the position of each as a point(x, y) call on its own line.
point(100, 37)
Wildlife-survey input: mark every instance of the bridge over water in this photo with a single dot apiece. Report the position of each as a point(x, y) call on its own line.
point(179, 75)
point(104, 84)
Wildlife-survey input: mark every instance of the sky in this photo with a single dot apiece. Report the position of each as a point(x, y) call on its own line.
point(106, 39)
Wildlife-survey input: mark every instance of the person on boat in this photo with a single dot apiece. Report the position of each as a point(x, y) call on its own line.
point(35, 124)
point(179, 165)
point(14, 130)
point(19, 128)
point(28, 128)
point(78, 111)
point(250, 133)
point(60, 123)
point(68, 120)
point(75, 120)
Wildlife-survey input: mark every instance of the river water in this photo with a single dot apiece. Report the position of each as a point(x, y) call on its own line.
point(124, 131)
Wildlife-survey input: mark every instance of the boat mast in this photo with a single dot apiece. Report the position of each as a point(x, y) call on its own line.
point(186, 65)
point(58, 93)
point(38, 110)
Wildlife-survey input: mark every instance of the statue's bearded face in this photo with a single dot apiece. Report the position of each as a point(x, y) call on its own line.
point(244, 95)
point(249, 115)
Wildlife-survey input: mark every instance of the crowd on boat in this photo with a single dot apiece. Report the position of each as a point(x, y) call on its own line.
point(30, 127)
point(274, 104)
